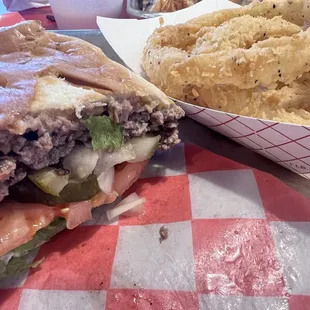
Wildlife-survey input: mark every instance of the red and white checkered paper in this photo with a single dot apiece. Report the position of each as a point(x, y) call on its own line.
point(238, 239)
point(285, 144)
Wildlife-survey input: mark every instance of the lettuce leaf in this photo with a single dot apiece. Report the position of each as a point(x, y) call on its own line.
point(106, 135)
point(15, 266)
point(41, 236)
point(19, 256)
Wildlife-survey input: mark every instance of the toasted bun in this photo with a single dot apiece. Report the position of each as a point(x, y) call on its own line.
point(56, 93)
point(42, 71)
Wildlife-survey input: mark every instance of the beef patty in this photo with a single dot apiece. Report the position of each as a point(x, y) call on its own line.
point(50, 138)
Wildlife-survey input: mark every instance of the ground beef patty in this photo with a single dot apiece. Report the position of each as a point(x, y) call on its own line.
point(9, 175)
point(48, 139)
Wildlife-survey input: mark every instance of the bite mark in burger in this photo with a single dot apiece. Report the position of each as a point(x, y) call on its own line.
point(76, 131)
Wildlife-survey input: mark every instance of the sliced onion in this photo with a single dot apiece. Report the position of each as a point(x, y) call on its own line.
point(123, 208)
point(106, 180)
point(37, 263)
point(137, 210)
point(81, 162)
point(144, 148)
point(108, 160)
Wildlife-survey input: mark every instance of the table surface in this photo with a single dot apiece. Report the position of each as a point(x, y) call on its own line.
point(191, 131)
point(42, 13)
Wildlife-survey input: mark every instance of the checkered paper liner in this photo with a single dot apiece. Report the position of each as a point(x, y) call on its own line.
point(238, 239)
point(285, 144)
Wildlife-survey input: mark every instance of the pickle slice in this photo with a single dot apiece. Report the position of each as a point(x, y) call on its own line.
point(79, 190)
point(74, 191)
point(144, 148)
point(49, 180)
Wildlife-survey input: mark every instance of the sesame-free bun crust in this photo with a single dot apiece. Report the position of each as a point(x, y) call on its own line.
point(45, 71)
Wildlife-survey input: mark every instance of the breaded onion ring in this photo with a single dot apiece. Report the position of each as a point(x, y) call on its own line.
point(222, 60)
point(289, 103)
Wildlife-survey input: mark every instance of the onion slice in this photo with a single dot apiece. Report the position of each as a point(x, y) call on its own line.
point(131, 205)
point(110, 159)
point(81, 162)
point(137, 210)
point(106, 180)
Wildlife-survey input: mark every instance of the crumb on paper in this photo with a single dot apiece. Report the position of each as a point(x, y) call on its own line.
point(37, 263)
point(164, 233)
point(161, 21)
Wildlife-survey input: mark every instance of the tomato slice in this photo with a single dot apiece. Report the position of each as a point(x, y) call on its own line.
point(20, 221)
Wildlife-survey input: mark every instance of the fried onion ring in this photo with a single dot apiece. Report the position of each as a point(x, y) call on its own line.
point(289, 103)
point(252, 60)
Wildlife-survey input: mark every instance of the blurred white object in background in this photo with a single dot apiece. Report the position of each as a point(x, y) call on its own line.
point(81, 14)
point(20, 5)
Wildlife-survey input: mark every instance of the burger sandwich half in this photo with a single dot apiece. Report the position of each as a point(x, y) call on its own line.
point(76, 131)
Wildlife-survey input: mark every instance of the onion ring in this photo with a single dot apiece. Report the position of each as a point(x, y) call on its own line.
point(223, 60)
